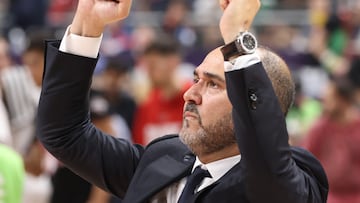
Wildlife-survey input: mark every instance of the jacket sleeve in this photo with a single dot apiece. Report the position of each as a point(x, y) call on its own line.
point(272, 173)
point(65, 129)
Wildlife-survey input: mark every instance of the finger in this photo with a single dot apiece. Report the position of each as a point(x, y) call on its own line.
point(223, 4)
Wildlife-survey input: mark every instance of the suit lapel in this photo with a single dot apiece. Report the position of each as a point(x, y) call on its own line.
point(157, 175)
point(236, 172)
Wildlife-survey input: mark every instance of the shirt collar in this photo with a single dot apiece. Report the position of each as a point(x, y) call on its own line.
point(218, 168)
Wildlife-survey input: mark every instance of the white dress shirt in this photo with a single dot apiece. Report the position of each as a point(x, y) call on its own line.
point(216, 169)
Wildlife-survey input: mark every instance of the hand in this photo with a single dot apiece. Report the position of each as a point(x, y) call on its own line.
point(237, 17)
point(92, 16)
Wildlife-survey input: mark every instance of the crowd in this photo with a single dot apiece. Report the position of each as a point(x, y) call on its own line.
point(146, 64)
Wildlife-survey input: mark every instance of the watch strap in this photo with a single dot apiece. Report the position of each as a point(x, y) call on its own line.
point(229, 50)
point(245, 43)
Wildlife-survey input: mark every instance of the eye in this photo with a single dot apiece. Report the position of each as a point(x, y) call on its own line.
point(196, 80)
point(213, 84)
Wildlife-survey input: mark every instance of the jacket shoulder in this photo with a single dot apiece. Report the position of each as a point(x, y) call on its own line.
point(171, 137)
point(169, 145)
point(308, 163)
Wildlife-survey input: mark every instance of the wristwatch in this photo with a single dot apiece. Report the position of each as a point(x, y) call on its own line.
point(245, 43)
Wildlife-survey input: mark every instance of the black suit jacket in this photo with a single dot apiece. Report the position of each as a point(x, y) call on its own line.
point(269, 171)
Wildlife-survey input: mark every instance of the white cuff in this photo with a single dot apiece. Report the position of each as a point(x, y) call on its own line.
point(79, 45)
point(241, 62)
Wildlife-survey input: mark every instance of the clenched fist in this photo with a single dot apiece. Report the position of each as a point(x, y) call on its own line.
point(93, 15)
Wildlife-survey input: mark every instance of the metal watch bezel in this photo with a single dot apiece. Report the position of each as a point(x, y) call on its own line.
point(239, 42)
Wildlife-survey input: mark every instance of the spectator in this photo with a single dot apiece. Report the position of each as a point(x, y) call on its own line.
point(161, 112)
point(175, 23)
point(104, 116)
point(34, 62)
point(37, 185)
point(11, 175)
point(21, 88)
point(117, 43)
point(334, 140)
point(354, 75)
point(335, 33)
point(301, 115)
point(21, 91)
point(113, 83)
point(174, 18)
point(5, 59)
point(27, 13)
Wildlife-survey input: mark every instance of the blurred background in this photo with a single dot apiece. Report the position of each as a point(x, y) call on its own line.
point(146, 63)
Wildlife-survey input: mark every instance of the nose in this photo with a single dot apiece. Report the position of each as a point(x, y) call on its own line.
point(193, 95)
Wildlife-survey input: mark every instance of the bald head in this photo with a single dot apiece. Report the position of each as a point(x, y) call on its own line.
point(276, 69)
point(280, 77)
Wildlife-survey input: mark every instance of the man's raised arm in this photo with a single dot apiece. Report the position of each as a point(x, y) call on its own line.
point(63, 123)
point(275, 172)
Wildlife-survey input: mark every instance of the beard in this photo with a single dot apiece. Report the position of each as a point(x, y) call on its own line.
point(207, 139)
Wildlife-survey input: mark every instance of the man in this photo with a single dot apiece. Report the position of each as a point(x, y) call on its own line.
point(5, 57)
point(334, 141)
point(269, 170)
point(114, 85)
point(160, 113)
point(21, 92)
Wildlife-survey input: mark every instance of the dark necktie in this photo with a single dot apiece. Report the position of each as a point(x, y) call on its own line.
point(192, 182)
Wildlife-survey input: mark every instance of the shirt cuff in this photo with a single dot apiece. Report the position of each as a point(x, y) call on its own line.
point(79, 45)
point(241, 62)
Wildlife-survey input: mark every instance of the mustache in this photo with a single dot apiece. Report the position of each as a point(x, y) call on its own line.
point(191, 107)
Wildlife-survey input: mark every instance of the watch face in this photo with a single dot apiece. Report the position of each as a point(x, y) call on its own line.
point(249, 42)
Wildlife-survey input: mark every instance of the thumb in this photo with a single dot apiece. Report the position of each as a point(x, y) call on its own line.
point(223, 4)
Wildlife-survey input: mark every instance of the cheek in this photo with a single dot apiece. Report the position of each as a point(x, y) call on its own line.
point(214, 108)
